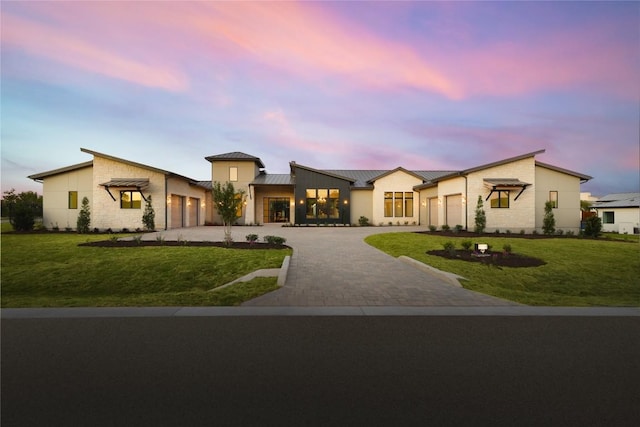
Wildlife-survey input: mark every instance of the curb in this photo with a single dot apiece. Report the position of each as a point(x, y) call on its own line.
point(450, 278)
point(280, 273)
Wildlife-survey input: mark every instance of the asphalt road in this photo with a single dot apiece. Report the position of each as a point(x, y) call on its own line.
point(320, 370)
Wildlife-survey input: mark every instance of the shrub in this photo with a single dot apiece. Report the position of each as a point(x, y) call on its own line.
point(275, 240)
point(84, 217)
point(137, 239)
point(570, 233)
point(458, 228)
point(363, 221)
point(593, 226)
point(521, 232)
point(160, 239)
point(466, 245)
point(481, 217)
point(432, 228)
point(125, 230)
point(449, 247)
point(506, 248)
point(22, 209)
point(445, 227)
point(548, 222)
point(559, 232)
point(149, 216)
point(252, 238)
point(497, 231)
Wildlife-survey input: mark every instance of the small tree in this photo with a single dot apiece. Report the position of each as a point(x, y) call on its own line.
point(548, 222)
point(84, 217)
point(593, 226)
point(481, 217)
point(22, 209)
point(228, 203)
point(149, 216)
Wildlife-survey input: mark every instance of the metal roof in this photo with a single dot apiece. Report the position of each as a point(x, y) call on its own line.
point(127, 182)
point(42, 175)
point(273, 179)
point(505, 182)
point(237, 156)
point(618, 200)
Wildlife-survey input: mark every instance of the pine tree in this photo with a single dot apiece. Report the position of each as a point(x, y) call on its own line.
point(84, 217)
point(481, 217)
point(149, 216)
point(548, 222)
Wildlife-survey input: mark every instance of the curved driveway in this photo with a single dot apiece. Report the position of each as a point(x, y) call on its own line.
point(333, 266)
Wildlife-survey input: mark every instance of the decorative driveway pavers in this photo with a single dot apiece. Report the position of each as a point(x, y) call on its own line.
point(333, 266)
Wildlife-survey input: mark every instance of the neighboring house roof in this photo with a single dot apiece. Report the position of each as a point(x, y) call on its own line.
point(236, 156)
point(618, 200)
point(42, 175)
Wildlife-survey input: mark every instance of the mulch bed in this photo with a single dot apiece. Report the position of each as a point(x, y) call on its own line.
point(498, 259)
point(134, 244)
point(471, 234)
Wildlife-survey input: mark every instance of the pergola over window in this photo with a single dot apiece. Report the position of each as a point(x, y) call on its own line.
point(502, 187)
point(127, 185)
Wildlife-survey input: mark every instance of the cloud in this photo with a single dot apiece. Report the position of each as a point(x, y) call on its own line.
point(57, 45)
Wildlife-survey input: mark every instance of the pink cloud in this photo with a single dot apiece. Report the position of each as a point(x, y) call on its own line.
point(51, 43)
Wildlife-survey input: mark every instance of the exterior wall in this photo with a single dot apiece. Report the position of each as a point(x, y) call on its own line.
point(247, 171)
point(451, 188)
point(309, 179)
point(425, 197)
point(397, 181)
point(106, 213)
point(626, 220)
point(55, 190)
point(567, 214)
point(194, 199)
point(522, 213)
point(258, 196)
point(362, 205)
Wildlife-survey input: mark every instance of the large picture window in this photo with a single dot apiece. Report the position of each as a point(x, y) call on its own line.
point(130, 200)
point(398, 204)
point(323, 203)
point(500, 199)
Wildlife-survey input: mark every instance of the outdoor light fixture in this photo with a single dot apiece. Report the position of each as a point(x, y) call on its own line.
point(301, 202)
point(346, 202)
point(482, 247)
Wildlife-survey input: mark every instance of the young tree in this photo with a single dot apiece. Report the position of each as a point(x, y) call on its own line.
point(149, 216)
point(593, 226)
point(84, 217)
point(22, 209)
point(548, 222)
point(481, 217)
point(228, 203)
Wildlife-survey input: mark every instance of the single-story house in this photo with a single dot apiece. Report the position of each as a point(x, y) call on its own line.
point(514, 192)
point(619, 212)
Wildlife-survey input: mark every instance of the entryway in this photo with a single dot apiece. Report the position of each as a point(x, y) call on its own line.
point(276, 209)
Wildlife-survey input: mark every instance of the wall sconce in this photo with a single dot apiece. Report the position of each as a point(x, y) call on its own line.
point(189, 202)
point(203, 204)
point(301, 202)
point(424, 203)
point(439, 201)
point(346, 202)
point(168, 200)
point(464, 200)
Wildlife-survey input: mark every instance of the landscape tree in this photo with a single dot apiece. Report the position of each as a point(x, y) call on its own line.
point(228, 203)
point(84, 217)
point(149, 216)
point(481, 217)
point(593, 226)
point(21, 209)
point(549, 221)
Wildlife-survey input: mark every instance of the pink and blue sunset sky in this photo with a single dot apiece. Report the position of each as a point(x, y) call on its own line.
point(336, 85)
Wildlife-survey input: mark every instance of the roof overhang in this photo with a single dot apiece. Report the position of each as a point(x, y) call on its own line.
point(138, 184)
point(496, 184)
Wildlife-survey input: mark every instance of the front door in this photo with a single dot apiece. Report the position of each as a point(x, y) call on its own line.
point(277, 209)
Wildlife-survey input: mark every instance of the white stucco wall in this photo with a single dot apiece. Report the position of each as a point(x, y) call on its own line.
point(247, 171)
point(362, 205)
point(626, 220)
point(567, 214)
point(55, 190)
point(258, 196)
point(397, 181)
point(194, 198)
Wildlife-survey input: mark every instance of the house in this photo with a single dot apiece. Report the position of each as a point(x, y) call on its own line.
point(619, 212)
point(514, 192)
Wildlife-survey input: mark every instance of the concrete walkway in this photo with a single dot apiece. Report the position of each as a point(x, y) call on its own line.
point(333, 266)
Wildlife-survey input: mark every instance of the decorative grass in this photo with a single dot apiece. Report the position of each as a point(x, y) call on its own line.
point(51, 270)
point(579, 272)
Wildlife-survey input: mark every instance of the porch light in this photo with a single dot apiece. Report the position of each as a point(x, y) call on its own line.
point(424, 203)
point(346, 202)
point(168, 200)
point(301, 202)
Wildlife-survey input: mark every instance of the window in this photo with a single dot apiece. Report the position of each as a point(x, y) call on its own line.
point(500, 199)
point(130, 199)
point(233, 174)
point(73, 200)
point(323, 203)
point(553, 198)
point(240, 206)
point(608, 217)
point(398, 204)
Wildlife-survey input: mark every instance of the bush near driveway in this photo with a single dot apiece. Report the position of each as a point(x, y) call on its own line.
point(579, 272)
point(51, 270)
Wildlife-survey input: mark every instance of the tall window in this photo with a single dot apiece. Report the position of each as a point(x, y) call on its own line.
point(398, 204)
point(73, 200)
point(233, 174)
point(500, 199)
point(323, 203)
point(608, 217)
point(130, 200)
point(553, 198)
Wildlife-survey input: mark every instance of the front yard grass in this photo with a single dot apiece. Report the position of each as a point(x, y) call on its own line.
point(579, 272)
point(51, 270)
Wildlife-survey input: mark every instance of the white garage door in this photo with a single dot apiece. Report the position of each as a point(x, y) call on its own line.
point(176, 211)
point(454, 210)
point(193, 212)
point(433, 211)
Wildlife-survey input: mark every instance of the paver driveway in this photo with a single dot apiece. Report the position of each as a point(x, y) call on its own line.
point(333, 266)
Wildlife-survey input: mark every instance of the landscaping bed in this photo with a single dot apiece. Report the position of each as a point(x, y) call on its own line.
point(498, 259)
point(173, 243)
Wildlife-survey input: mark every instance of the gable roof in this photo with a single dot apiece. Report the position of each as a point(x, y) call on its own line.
point(42, 175)
point(236, 156)
point(618, 200)
point(295, 165)
point(582, 176)
point(390, 172)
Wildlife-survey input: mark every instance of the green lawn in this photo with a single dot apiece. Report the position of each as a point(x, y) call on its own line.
point(51, 270)
point(579, 272)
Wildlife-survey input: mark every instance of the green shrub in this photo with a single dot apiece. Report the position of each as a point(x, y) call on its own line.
point(251, 238)
point(363, 221)
point(450, 247)
point(432, 228)
point(445, 227)
point(466, 245)
point(275, 240)
point(481, 217)
point(506, 248)
point(593, 226)
point(84, 217)
point(458, 228)
point(149, 216)
point(548, 222)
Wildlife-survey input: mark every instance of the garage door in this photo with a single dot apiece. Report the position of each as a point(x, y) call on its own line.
point(454, 210)
point(193, 212)
point(176, 211)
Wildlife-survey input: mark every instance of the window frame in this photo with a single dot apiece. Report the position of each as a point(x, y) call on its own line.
point(499, 199)
point(72, 200)
point(608, 215)
point(553, 198)
point(132, 201)
point(233, 174)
